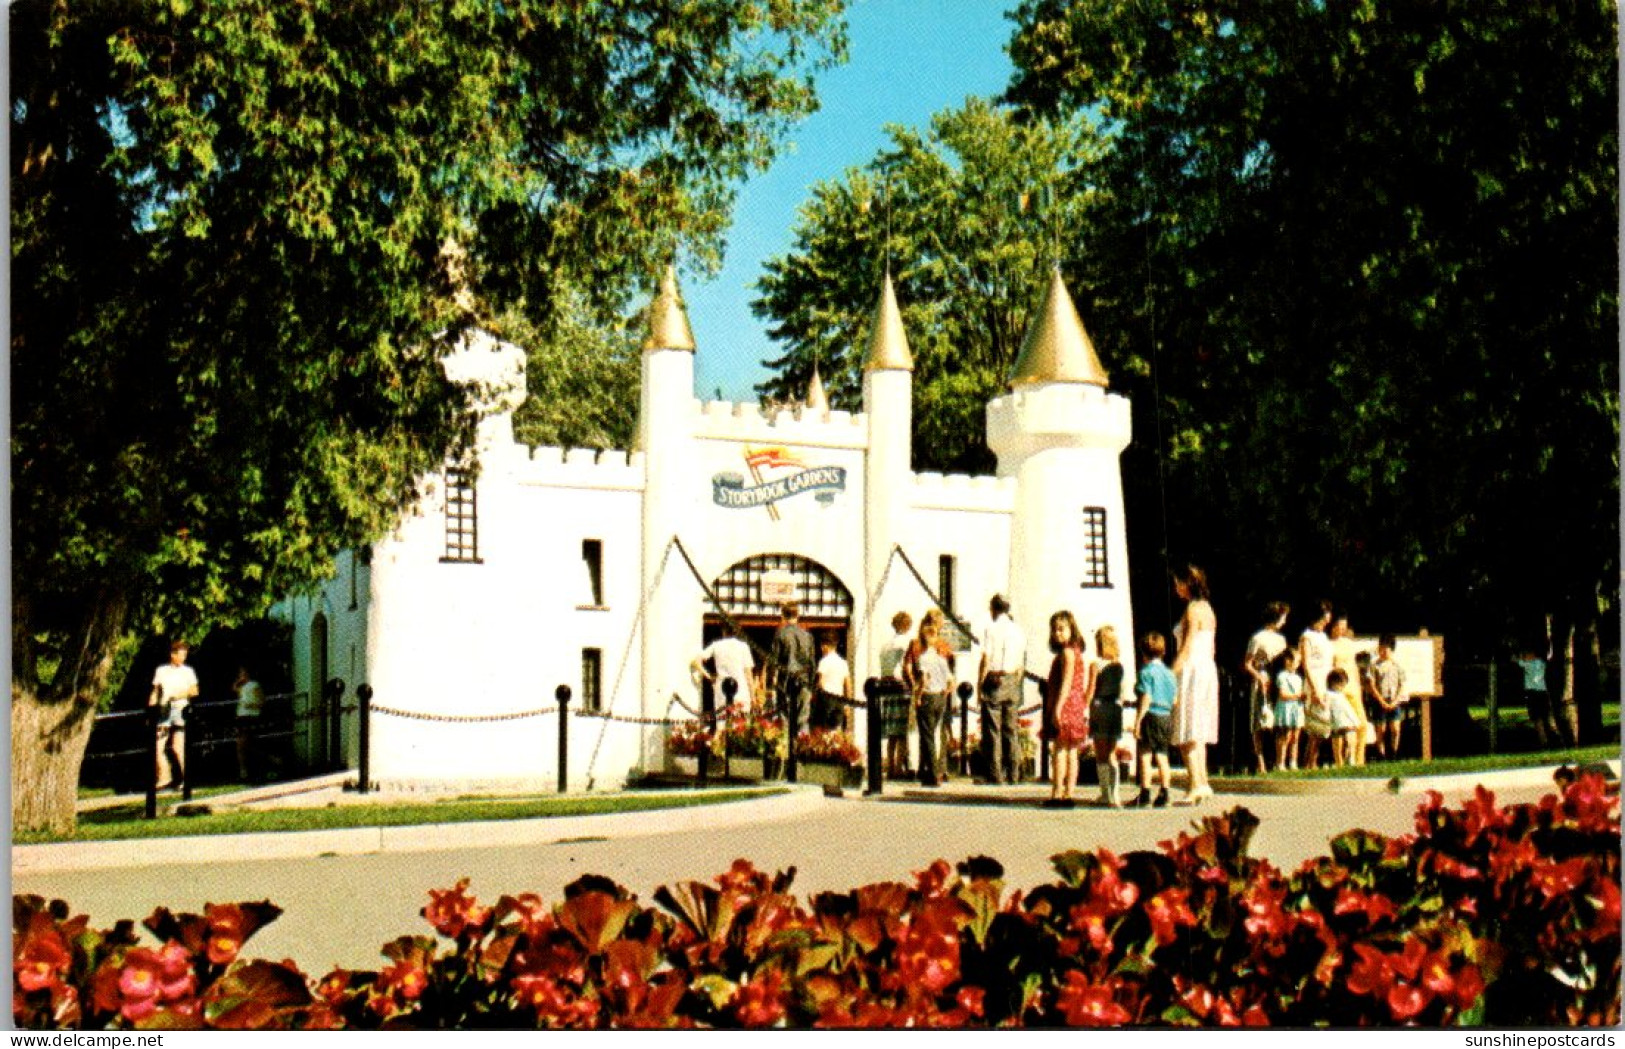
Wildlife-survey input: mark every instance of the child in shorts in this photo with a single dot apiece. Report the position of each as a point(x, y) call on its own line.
point(1288, 709)
point(1155, 688)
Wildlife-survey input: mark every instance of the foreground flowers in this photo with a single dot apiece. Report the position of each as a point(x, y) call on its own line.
point(1497, 915)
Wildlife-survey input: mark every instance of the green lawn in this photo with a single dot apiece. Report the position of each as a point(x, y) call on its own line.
point(125, 822)
point(1448, 766)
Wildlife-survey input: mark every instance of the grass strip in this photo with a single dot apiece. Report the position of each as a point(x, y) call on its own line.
point(1416, 768)
point(125, 822)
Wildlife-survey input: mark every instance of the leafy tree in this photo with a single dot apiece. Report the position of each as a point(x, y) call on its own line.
point(1370, 251)
point(581, 377)
point(228, 302)
point(965, 216)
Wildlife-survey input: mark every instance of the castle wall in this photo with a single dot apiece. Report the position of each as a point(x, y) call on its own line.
point(451, 640)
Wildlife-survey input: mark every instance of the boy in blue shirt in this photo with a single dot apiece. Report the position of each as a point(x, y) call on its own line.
point(1156, 688)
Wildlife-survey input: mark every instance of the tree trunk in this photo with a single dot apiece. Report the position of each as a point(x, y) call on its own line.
point(1568, 718)
point(51, 721)
point(47, 747)
point(1588, 689)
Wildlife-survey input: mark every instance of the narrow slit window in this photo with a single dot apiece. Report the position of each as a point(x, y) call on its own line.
point(592, 680)
point(945, 582)
point(592, 559)
point(462, 518)
point(1095, 569)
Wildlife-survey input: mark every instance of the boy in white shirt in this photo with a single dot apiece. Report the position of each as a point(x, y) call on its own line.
point(834, 684)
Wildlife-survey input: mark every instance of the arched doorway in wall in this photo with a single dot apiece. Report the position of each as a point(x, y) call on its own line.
point(753, 590)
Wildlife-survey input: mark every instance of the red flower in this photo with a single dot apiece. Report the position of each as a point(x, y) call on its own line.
point(453, 912)
point(760, 1001)
point(1087, 919)
point(138, 984)
point(1089, 1005)
point(1373, 906)
point(43, 957)
point(1406, 1000)
point(1169, 912)
point(1560, 879)
point(175, 976)
point(1469, 987)
point(971, 999)
point(1480, 814)
point(1370, 975)
point(1605, 896)
point(1587, 802)
point(404, 979)
point(228, 928)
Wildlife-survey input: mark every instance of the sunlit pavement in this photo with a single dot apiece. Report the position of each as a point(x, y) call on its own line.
point(340, 909)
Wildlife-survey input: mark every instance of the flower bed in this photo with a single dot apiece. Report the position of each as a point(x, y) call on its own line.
point(828, 746)
point(1508, 916)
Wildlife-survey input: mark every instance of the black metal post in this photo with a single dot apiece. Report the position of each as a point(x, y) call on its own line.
point(364, 761)
point(730, 689)
point(965, 689)
point(154, 719)
point(793, 705)
point(562, 694)
point(183, 754)
point(873, 741)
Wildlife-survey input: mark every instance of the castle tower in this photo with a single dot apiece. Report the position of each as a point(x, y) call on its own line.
point(666, 411)
point(817, 401)
point(1060, 433)
point(888, 404)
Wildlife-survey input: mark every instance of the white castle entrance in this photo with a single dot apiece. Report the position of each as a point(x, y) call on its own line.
point(753, 590)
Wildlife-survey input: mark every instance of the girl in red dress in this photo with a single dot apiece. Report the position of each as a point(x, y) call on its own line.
point(1071, 685)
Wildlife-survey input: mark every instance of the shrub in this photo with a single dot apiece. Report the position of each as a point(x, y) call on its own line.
point(1507, 916)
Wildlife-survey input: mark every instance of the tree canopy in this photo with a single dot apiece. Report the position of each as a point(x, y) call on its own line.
point(228, 301)
point(1370, 250)
point(967, 217)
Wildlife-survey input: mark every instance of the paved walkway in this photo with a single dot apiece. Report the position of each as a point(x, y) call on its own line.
point(343, 901)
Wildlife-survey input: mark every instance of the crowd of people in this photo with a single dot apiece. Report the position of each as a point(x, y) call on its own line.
point(1317, 700)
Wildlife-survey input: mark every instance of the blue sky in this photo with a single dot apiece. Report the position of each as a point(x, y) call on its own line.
point(907, 59)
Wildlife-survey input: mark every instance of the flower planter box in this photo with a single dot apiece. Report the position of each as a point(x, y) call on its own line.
point(827, 775)
point(753, 768)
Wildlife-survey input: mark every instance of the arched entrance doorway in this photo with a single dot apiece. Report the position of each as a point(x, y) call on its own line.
point(752, 591)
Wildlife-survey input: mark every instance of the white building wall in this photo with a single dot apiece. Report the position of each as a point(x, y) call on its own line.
point(456, 640)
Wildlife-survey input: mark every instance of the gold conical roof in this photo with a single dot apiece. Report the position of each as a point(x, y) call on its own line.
point(888, 345)
point(1056, 348)
point(668, 323)
point(816, 400)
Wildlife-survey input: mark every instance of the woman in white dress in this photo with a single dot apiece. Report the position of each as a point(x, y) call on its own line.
point(1196, 710)
point(1315, 660)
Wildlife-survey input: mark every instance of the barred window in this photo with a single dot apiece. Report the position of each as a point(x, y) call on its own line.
point(462, 518)
point(1095, 572)
point(592, 680)
point(753, 588)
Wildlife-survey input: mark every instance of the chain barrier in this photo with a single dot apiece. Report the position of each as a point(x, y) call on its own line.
point(625, 720)
point(464, 719)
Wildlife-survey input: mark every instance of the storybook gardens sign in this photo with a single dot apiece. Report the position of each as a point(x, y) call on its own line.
point(730, 490)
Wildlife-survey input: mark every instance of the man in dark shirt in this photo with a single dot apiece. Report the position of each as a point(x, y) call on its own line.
point(793, 658)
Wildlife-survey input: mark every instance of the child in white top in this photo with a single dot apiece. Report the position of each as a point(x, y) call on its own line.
point(834, 682)
point(1345, 723)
